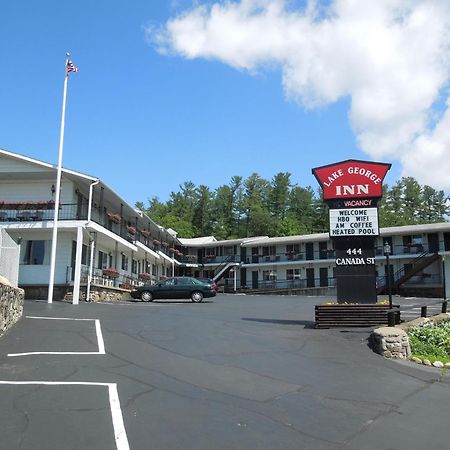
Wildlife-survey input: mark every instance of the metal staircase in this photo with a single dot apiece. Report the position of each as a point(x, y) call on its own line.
point(224, 267)
point(400, 277)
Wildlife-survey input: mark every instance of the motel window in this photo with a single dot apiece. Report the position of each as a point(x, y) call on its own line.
point(34, 253)
point(294, 248)
point(134, 266)
point(84, 254)
point(269, 275)
point(124, 262)
point(102, 260)
point(269, 251)
point(292, 274)
point(228, 251)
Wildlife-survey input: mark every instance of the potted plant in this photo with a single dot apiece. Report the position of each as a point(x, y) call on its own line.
point(131, 230)
point(156, 242)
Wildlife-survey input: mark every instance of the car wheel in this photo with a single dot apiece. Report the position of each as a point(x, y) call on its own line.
point(146, 296)
point(197, 296)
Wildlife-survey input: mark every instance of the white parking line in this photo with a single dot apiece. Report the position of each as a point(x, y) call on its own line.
point(98, 330)
point(120, 433)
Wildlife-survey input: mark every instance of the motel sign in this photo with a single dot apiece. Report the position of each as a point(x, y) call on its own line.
point(352, 189)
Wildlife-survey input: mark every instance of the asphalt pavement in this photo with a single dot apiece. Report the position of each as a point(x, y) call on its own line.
point(236, 372)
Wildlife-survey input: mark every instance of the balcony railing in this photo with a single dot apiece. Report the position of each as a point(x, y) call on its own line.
point(123, 281)
point(213, 259)
point(298, 283)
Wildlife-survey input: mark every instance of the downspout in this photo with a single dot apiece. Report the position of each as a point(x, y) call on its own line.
point(91, 259)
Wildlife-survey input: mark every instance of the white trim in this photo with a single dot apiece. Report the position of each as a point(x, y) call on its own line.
point(146, 249)
point(168, 258)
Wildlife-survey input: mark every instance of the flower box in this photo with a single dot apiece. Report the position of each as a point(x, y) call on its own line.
point(156, 242)
point(145, 276)
point(114, 217)
point(171, 249)
point(164, 244)
point(126, 286)
point(110, 272)
point(47, 204)
point(131, 230)
point(145, 233)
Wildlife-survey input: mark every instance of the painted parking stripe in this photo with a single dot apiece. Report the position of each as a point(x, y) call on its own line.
point(120, 434)
point(98, 331)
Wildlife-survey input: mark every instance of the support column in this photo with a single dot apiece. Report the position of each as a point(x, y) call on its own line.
point(77, 279)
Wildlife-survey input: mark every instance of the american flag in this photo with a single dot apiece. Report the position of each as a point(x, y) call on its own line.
point(70, 67)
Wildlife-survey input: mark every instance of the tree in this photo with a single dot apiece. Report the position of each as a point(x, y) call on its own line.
point(278, 208)
point(279, 195)
point(202, 217)
point(409, 203)
point(256, 199)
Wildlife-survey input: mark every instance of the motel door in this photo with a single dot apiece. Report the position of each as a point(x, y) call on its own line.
point(254, 279)
point(323, 274)
point(433, 242)
point(309, 248)
point(310, 277)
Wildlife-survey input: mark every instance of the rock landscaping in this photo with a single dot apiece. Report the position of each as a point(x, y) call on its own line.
point(11, 305)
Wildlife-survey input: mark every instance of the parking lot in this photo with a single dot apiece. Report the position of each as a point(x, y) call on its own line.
point(237, 372)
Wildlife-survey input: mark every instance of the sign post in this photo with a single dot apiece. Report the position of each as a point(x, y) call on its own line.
point(352, 189)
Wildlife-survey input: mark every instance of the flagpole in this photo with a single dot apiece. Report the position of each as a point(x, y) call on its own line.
point(58, 188)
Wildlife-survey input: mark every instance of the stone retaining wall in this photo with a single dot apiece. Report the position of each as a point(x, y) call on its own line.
point(11, 306)
point(100, 293)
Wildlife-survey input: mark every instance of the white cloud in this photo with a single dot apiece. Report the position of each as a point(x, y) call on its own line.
point(390, 57)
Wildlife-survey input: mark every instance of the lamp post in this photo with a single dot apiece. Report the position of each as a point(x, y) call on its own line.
point(444, 292)
point(387, 252)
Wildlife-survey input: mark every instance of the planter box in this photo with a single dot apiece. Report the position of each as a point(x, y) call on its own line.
point(358, 315)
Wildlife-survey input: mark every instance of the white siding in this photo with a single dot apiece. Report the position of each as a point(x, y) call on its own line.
point(35, 191)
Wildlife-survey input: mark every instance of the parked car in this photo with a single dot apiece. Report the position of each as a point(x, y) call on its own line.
point(211, 282)
point(176, 287)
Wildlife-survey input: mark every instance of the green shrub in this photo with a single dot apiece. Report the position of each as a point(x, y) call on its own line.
point(431, 341)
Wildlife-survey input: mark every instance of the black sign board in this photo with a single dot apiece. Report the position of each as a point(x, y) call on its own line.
point(355, 269)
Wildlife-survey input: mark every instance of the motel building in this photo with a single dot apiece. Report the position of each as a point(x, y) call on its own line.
point(106, 243)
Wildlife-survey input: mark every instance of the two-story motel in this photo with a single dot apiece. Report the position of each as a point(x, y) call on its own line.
point(100, 234)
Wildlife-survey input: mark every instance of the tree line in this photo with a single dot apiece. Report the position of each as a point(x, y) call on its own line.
point(278, 207)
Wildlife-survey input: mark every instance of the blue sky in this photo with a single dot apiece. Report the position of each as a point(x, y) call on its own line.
point(146, 117)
